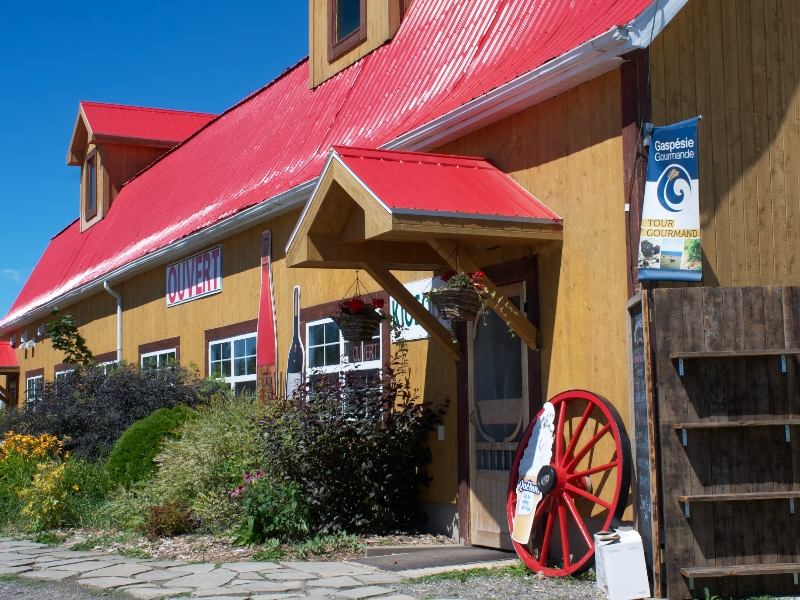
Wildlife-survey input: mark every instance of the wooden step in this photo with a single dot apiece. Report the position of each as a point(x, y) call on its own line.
point(742, 496)
point(736, 353)
point(726, 424)
point(741, 570)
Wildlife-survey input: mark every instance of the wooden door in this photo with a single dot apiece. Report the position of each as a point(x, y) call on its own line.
point(498, 405)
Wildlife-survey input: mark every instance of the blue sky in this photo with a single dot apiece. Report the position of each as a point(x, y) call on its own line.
point(198, 55)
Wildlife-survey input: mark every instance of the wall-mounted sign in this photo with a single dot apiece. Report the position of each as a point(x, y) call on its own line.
point(669, 246)
point(413, 330)
point(195, 277)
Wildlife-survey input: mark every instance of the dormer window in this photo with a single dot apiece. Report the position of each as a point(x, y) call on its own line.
point(347, 26)
point(90, 187)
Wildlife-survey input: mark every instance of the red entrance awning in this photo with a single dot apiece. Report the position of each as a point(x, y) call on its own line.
point(442, 185)
point(8, 358)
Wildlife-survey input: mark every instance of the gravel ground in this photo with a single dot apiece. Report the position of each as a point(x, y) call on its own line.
point(504, 588)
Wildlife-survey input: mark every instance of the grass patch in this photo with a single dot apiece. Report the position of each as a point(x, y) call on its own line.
point(518, 571)
point(134, 553)
point(9, 577)
point(86, 545)
point(50, 538)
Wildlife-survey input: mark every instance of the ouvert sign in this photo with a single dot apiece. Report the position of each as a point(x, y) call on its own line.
point(195, 277)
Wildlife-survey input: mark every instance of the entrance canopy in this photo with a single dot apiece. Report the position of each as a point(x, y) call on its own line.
point(381, 210)
point(8, 359)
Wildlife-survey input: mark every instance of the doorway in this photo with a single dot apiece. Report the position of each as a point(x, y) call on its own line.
point(499, 411)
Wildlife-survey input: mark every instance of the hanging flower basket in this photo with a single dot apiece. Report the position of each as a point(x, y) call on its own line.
point(357, 320)
point(464, 297)
point(457, 304)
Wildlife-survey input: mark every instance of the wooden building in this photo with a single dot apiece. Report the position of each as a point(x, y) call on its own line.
point(553, 98)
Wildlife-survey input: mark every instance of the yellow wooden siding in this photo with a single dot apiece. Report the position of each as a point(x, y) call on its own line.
point(568, 153)
point(381, 26)
point(737, 63)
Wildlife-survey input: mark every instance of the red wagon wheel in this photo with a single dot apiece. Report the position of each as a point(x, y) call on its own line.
point(575, 485)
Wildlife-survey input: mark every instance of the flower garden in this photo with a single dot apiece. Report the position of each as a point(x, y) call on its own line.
point(160, 453)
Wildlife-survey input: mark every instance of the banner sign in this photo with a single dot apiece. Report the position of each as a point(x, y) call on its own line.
point(195, 277)
point(669, 246)
point(412, 329)
point(267, 337)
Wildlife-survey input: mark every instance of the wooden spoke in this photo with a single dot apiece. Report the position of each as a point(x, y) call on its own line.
point(578, 520)
point(589, 445)
point(562, 414)
point(575, 490)
point(562, 525)
point(548, 534)
point(593, 470)
point(576, 435)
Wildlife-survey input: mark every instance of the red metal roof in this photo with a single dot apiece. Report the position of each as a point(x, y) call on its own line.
point(137, 122)
point(424, 183)
point(8, 358)
point(446, 53)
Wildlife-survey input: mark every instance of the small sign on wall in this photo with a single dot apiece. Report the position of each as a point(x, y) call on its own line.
point(195, 277)
point(413, 330)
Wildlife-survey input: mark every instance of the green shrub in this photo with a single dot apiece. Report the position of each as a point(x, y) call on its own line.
point(89, 409)
point(131, 460)
point(201, 465)
point(172, 518)
point(63, 493)
point(358, 448)
point(273, 510)
point(16, 472)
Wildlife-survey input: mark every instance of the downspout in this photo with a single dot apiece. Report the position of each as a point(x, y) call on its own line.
point(119, 319)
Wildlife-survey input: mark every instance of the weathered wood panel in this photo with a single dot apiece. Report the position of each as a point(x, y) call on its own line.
point(746, 531)
point(740, 69)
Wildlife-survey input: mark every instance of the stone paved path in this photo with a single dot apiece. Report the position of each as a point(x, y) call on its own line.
point(148, 579)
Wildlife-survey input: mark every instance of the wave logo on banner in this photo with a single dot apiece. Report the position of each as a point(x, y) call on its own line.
point(674, 187)
point(669, 245)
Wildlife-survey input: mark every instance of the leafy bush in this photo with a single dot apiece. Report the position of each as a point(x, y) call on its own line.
point(131, 459)
point(16, 472)
point(273, 510)
point(172, 518)
point(358, 448)
point(202, 464)
point(89, 409)
point(44, 499)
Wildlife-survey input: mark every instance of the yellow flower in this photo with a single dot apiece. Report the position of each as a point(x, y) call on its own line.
point(75, 488)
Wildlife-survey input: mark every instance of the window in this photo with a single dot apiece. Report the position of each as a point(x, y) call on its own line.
point(347, 26)
point(234, 360)
point(160, 359)
point(328, 352)
point(91, 187)
point(107, 366)
point(63, 374)
point(34, 391)
point(348, 18)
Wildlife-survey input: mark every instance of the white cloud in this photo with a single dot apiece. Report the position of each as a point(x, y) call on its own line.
point(11, 275)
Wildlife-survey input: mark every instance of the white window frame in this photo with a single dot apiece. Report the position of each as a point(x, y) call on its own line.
point(64, 373)
point(107, 366)
point(232, 379)
point(32, 401)
point(158, 354)
point(345, 364)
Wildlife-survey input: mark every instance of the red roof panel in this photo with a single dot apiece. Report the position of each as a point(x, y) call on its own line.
point(8, 358)
point(424, 183)
point(138, 122)
point(446, 53)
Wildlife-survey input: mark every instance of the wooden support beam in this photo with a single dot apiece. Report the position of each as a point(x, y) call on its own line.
point(519, 323)
point(397, 290)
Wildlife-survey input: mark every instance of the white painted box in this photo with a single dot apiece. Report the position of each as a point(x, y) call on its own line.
point(620, 566)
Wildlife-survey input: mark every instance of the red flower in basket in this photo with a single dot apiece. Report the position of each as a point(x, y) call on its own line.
point(477, 276)
point(448, 275)
point(355, 305)
point(377, 303)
